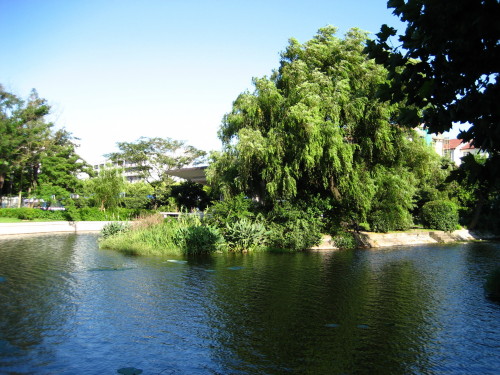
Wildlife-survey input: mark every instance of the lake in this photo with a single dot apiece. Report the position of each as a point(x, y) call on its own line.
point(67, 307)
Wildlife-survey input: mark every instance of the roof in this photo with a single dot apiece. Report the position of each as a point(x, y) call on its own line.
point(195, 174)
point(454, 143)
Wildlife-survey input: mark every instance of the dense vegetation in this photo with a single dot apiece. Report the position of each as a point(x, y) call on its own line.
point(231, 225)
point(446, 70)
point(326, 144)
point(27, 142)
point(315, 134)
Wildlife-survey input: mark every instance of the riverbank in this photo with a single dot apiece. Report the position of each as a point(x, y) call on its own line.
point(365, 239)
point(370, 240)
point(51, 227)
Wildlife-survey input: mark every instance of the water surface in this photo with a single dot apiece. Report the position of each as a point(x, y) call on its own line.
point(67, 307)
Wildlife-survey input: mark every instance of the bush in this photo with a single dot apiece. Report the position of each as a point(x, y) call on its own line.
point(293, 229)
point(386, 220)
point(230, 211)
point(91, 214)
point(26, 213)
point(245, 235)
point(113, 228)
point(440, 215)
point(344, 240)
point(198, 239)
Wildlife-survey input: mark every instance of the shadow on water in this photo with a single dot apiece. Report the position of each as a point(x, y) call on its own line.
point(322, 314)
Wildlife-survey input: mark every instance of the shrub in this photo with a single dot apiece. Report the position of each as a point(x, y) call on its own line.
point(344, 240)
point(229, 211)
point(197, 239)
point(26, 213)
point(293, 229)
point(385, 220)
point(92, 214)
point(113, 228)
point(440, 215)
point(245, 235)
point(72, 214)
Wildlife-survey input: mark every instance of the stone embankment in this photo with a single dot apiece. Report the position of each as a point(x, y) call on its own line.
point(51, 227)
point(413, 237)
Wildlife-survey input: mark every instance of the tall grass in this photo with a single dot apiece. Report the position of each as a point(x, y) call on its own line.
point(148, 236)
point(152, 235)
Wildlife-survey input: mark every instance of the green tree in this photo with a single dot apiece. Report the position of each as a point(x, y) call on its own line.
point(190, 195)
point(315, 128)
point(61, 167)
point(25, 138)
point(151, 158)
point(138, 195)
point(9, 141)
point(446, 70)
point(446, 64)
point(105, 190)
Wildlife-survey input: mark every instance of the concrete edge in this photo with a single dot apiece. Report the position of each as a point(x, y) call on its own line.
point(51, 227)
point(371, 240)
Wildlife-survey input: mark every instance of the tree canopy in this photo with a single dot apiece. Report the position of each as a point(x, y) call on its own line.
point(317, 127)
point(151, 158)
point(447, 65)
point(446, 69)
point(32, 154)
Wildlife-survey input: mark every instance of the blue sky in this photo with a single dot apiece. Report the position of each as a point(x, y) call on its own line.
point(116, 70)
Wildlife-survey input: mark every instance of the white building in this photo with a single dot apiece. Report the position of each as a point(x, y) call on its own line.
point(455, 150)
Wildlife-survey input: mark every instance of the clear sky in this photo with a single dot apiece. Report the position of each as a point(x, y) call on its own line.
point(116, 70)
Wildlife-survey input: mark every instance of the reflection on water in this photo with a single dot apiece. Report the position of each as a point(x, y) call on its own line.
point(67, 307)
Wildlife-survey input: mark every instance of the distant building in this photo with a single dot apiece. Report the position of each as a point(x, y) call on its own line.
point(455, 150)
point(129, 171)
point(195, 174)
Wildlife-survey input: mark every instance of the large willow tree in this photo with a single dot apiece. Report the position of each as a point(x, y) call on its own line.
point(317, 128)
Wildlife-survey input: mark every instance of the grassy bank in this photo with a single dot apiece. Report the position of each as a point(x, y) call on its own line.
point(154, 235)
point(192, 235)
point(156, 239)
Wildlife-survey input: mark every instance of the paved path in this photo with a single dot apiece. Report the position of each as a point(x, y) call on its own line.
point(51, 227)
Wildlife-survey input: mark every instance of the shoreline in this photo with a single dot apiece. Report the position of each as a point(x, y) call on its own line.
point(372, 240)
point(367, 240)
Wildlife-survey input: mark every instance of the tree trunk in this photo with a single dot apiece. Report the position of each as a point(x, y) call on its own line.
point(335, 191)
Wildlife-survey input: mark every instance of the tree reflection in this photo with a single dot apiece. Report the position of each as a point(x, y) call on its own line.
point(35, 297)
point(316, 313)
